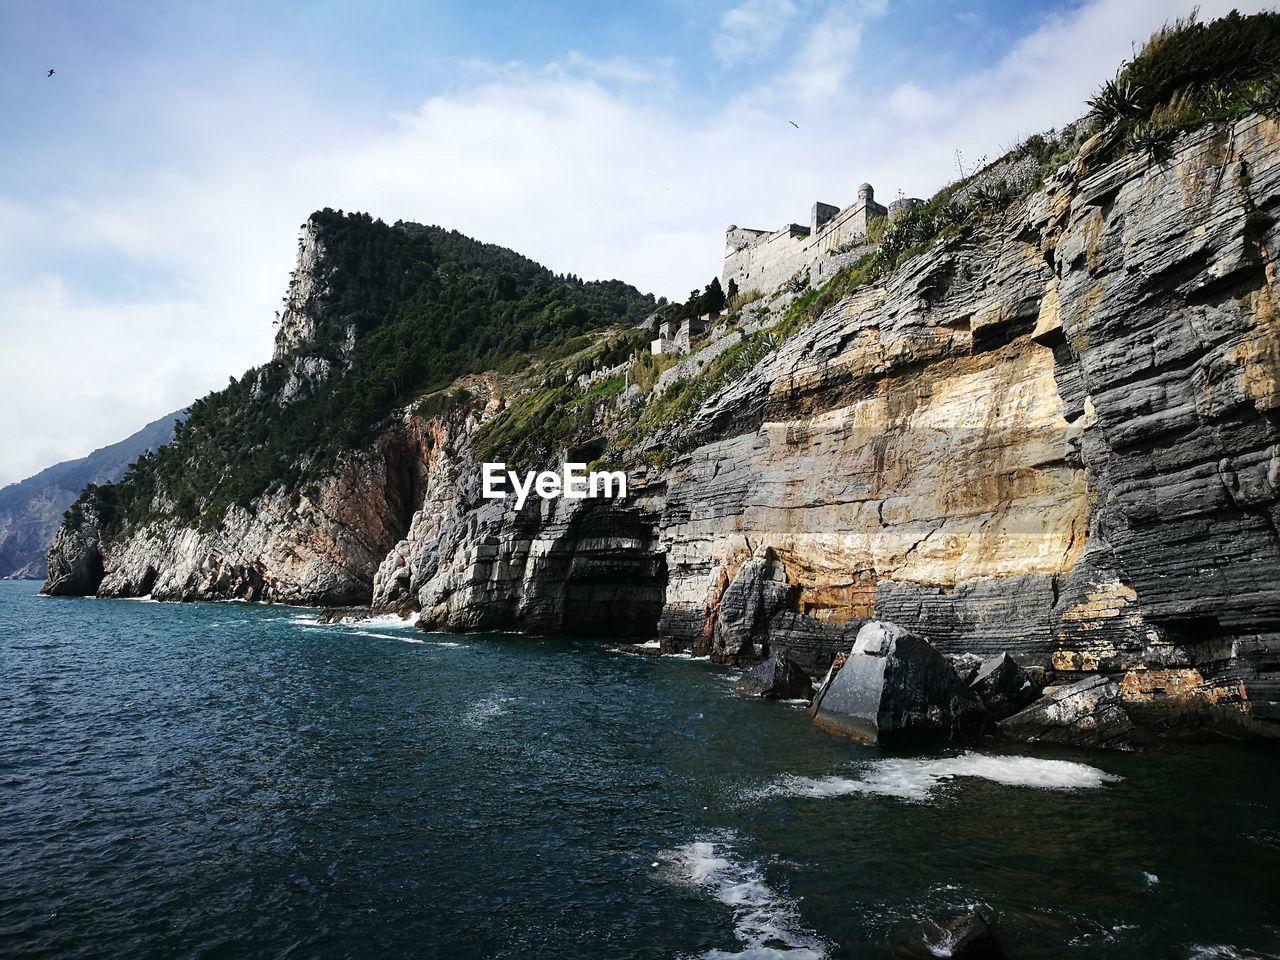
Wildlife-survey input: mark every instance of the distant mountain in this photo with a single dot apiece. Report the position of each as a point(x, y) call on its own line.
point(30, 511)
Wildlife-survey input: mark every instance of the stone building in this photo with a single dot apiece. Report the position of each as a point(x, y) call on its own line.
point(763, 260)
point(676, 336)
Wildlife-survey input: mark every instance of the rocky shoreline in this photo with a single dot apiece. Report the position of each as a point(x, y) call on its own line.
point(1052, 434)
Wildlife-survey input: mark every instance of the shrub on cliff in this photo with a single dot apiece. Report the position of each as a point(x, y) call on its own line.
point(1190, 73)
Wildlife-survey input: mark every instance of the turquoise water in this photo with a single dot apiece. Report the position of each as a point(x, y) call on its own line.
point(232, 780)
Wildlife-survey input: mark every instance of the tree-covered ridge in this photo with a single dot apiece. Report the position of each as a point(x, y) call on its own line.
point(427, 305)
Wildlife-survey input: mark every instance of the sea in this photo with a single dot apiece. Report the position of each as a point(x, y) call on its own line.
point(236, 780)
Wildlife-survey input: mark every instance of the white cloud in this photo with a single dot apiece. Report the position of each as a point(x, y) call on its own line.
point(751, 30)
point(598, 167)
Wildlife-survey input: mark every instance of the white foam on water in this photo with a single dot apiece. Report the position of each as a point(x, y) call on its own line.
point(1216, 951)
point(388, 636)
point(1150, 877)
point(917, 779)
point(393, 620)
point(764, 921)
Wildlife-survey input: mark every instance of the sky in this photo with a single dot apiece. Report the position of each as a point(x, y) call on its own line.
point(151, 190)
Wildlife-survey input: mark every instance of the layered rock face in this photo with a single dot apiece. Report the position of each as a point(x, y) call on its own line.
point(589, 566)
point(1052, 434)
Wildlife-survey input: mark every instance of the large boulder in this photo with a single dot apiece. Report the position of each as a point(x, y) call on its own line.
point(1087, 713)
point(895, 689)
point(776, 678)
point(758, 591)
point(1003, 687)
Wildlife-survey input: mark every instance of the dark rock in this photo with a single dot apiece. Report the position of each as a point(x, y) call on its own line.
point(1087, 713)
point(966, 665)
point(339, 614)
point(75, 560)
point(896, 689)
point(970, 936)
point(758, 592)
point(811, 643)
point(1003, 687)
point(777, 679)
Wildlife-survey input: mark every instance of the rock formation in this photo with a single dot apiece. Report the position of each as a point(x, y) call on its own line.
point(1087, 713)
point(31, 511)
point(1052, 433)
point(776, 678)
point(895, 689)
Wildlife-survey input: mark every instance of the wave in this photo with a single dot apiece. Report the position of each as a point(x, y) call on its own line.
point(387, 636)
point(765, 922)
point(917, 779)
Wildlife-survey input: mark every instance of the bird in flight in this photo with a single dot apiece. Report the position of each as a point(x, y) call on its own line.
point(49, 74)
point(792, 122)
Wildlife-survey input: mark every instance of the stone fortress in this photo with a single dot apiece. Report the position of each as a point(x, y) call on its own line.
point(764, 261)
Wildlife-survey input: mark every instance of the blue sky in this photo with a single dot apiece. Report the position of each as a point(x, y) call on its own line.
point(150, 192)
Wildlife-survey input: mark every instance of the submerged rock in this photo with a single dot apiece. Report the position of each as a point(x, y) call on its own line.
point(970, 936)
point(1003, 687)
point(1087, 713)
point(777, 678)
point(896, 689)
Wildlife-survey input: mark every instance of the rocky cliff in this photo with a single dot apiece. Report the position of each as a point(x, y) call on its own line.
point(1051, 432)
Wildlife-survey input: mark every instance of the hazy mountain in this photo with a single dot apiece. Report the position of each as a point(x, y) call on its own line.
point(31, 510)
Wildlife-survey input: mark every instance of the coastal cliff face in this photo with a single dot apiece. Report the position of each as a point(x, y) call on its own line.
point(1053, 433)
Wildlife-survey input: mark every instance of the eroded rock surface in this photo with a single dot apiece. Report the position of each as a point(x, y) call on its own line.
point(1054, 434)
point(1087, 713)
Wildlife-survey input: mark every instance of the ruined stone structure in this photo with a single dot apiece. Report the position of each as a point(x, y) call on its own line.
point(676, 336)
point(760, 260)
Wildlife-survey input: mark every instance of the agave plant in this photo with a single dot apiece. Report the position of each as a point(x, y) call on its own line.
point(1264, 96)
point(1152, 139)
point(1117, 99)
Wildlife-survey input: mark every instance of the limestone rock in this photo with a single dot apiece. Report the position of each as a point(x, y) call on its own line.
point(344, 614)
point(1087, 713)
point(776, 678)
point(758, 592)
point(75, 563)
point(896, 690)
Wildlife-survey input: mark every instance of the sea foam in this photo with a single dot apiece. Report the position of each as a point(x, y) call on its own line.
point(917, 779)
point(765, 922)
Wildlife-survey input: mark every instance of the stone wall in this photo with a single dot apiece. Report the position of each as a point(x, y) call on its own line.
point(757, 259)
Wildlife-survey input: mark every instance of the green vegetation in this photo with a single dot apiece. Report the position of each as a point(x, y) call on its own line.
point(1190, 73)
point(426, 306)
